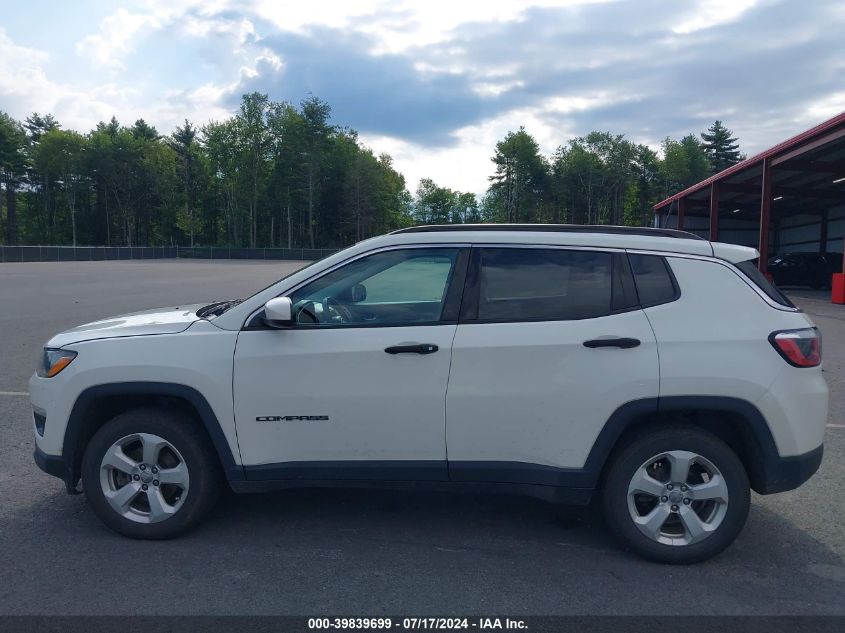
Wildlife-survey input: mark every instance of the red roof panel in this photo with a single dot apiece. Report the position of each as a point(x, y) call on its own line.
point(788, 144)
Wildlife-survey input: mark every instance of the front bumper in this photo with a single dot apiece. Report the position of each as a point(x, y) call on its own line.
point(55, 465)
point(787, 473)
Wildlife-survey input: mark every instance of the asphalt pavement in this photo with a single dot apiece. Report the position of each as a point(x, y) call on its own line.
point(368, 553)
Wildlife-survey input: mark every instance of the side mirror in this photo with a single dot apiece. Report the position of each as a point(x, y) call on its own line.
point(359, 293)
point(278, 312)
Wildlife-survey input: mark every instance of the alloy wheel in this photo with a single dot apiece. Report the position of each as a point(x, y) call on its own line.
point(677, 498)
point(144, 478)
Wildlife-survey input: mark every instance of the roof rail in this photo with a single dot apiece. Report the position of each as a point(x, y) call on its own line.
point(553, 228)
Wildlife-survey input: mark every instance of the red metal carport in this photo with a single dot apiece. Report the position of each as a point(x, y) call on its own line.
point(788, 198)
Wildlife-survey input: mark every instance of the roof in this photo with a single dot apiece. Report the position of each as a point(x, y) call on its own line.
point(575, 235)
point(780, 149)
point(667, 241)
point(552, 228)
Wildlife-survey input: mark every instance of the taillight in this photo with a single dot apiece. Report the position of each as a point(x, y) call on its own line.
point(801, 348)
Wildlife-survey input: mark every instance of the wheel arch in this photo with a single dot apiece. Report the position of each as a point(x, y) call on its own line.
point(98, 404)
point(735, 421)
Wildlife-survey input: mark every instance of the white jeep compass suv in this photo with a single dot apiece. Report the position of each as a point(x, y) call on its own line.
point(651, 369)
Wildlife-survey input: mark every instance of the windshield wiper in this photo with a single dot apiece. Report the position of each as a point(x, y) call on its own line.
point(216, 309)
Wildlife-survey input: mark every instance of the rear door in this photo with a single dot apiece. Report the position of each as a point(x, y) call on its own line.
point(550, 343)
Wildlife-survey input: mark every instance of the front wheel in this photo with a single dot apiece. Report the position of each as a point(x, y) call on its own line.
point(676, 495)
point(150, 473)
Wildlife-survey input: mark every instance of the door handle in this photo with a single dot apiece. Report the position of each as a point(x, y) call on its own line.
point(622, 343)
point(416, 348)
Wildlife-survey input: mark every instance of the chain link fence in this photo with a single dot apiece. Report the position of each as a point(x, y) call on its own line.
point(102, 253)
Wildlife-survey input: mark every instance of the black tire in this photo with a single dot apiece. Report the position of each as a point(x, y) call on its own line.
point(625, 464)
point(193, 445)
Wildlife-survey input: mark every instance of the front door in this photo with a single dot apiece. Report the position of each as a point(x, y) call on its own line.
point(356, 388)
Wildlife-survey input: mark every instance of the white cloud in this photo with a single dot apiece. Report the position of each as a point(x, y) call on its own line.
point(199, 106)
point(466, 165)
point(296, 16)
point(241, 31)
point(496, 88)
point(119, 33)
point(646, 70)
point(26, 88)
point(21, 70)
point(116, 37)
point(826, 107)
point(710, 13)
point(397, 26)
point(416, 162)
point(567, 104)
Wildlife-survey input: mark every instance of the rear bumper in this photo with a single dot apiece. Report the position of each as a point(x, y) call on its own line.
point(787, 473)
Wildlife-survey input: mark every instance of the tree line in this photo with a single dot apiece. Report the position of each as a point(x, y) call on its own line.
point(280, 175)
point(599, 178)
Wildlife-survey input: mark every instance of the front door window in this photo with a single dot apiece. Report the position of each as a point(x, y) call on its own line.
point(397, 287)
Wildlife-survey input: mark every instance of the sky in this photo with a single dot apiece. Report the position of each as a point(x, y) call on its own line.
point(436, 83)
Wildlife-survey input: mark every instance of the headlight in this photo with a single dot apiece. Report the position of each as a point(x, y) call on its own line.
point(54, 361)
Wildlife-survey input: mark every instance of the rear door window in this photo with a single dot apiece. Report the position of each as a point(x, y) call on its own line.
point(537, 284)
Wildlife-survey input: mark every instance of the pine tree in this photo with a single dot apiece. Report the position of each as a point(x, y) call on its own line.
point(519, 181)
point(12, 168)
point(184, 142)
point(721, 147)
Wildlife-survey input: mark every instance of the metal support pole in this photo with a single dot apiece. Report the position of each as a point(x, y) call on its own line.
point(682, 204)
point(765, 216)
point(823, 232)
point(714, 211)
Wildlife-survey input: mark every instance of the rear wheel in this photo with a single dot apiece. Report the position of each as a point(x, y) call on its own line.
point(676, 495)
point(150, 473)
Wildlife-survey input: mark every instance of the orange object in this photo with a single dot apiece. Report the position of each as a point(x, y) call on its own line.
point(837, 295)
point(63, 362)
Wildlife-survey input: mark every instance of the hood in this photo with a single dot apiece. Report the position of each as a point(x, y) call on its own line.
point(158, 321)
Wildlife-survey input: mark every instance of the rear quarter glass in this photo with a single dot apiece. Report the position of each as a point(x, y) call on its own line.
point(654, 280)
point(752, 272)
